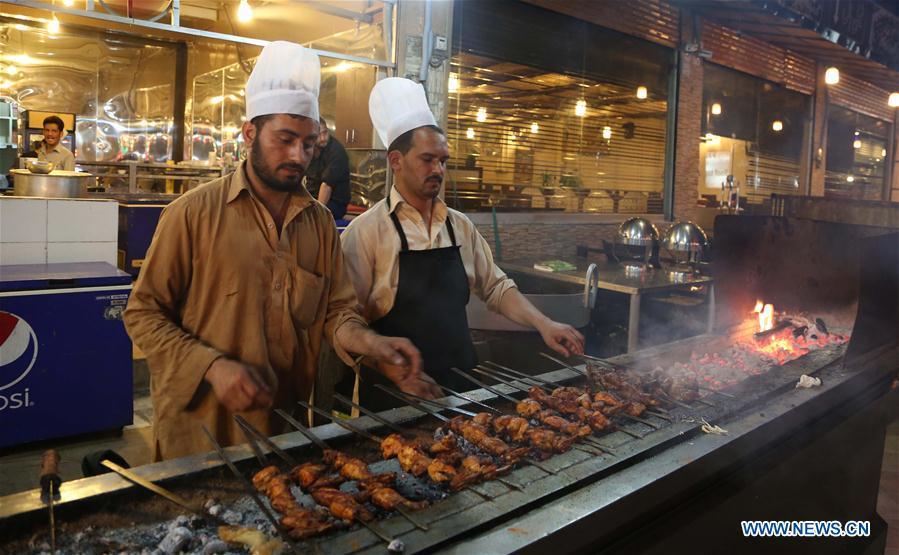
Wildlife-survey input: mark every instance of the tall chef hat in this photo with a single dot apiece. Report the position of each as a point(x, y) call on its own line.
point(397, 105)
point(286, 80)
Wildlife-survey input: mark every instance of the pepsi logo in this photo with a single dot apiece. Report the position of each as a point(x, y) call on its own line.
point(18, 349)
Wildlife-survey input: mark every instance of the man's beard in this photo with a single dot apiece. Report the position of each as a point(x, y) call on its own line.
point(268, 176)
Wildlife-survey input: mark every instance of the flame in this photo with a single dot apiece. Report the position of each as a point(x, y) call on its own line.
point(765, 314)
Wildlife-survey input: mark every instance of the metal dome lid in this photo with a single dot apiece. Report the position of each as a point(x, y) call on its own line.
point(637, 231)
point(685, 237)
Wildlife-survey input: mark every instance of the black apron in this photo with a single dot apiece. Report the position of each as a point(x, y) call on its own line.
point(429, 309)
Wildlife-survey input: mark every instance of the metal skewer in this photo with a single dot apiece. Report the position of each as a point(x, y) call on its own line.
point(375, 416)
point(402, 396)
point(373, 528)
point(262, 438)
point(485, 386)
point(469, 399)
point(371, 437)
point(710, 390)
point(522, 375)
point(50, 482)
point(440, 406)
point(565, 364)
point(493, 373)
point(251, 491)
point(162, 492)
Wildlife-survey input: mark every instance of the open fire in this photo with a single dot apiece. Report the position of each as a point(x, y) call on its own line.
point(780, 339)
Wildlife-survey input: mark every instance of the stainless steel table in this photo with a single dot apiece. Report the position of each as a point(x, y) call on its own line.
point(622, 279)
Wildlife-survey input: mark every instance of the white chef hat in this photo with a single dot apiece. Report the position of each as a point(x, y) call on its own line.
point(397, 105)
point(285, 80)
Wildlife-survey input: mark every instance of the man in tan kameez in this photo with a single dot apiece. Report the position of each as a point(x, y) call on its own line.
point(245, 278)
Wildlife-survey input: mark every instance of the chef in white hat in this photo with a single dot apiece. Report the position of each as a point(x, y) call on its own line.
point(245, 278)
point(414, 261)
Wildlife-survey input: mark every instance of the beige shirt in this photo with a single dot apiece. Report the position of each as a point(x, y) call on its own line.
point(219, 280)
point(372, 246)
point(62, 158)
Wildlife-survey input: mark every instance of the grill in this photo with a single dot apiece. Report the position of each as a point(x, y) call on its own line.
point(653, 483)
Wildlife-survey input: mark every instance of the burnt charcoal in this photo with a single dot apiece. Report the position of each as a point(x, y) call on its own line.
point(176, 541)
point(819, 323)
point(800, 331)
point(215, 546)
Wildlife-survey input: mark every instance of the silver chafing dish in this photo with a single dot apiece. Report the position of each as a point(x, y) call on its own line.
point(56, 184)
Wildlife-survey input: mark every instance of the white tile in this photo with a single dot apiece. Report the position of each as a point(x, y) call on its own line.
point(82, 252)
point(23, 220)
point(23, 253)
point(82, 220)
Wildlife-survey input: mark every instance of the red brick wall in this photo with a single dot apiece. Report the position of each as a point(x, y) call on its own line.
point(689, 127)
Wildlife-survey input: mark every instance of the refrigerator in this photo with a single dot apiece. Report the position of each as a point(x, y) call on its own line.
point(65, 358)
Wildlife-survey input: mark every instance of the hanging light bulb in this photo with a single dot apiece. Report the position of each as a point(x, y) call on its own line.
point(244, 12)
point(850, 179)
point(641, 92)
point(580, 109)
point(894, 100)
point(856, 143)
point(777, 125)
point(607, 132)
point(453, 85)
point(716, 109)
point(53, 25)
point(482, 114)
point(469, 133)
point(535, 127)
point(832, 76)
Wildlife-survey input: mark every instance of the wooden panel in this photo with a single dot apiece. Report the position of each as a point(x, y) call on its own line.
point(861, 96)
point(735, 50)
point(652, 20)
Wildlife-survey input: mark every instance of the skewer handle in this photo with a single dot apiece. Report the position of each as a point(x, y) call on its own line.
point(50, 473)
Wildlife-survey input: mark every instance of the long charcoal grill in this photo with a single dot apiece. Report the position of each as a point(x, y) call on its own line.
point(668, 489)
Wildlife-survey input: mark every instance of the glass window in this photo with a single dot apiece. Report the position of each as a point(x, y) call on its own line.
point(547, 112)
point(753, 131)
point(856, 155)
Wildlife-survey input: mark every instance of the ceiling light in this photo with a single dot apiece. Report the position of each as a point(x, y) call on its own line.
point(535, 127)
point(453, 85)
point(607, 132)
point(716, 109)
point(832, 76)
point(883, 152)
point(641, 92)
point(850, 179)
point(53, 25)
point(894, 100)
point(580, 109)
point(777, 125)
point(856, 143)
point(482, 115)
point(469, 134)
point(244, 12)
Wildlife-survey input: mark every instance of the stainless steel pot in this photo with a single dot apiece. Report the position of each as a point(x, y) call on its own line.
point(56, 184)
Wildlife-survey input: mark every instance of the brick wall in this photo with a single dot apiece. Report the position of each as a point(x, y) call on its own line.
point(689, 128)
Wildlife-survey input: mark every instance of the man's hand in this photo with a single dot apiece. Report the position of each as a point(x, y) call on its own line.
point(400, 362)
point(238, 386)
point(561, 338)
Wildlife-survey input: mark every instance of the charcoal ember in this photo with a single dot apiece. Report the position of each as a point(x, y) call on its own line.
point(800, 331)
point(819, 323)
point(215, 546)
point(177, 540)
point(215, 510)
point(232, 517)
point(181, 521)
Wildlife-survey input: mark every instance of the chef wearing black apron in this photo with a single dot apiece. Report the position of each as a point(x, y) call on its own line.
point(414, 261)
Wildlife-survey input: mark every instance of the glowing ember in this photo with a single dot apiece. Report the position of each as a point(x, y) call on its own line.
point(765, 314)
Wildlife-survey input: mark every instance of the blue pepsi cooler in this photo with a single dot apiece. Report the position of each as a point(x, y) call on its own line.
point(65, 358)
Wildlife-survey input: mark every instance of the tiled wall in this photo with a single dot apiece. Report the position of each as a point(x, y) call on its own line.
point(37, 231)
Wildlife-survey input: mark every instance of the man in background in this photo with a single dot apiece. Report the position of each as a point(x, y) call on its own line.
point(328, 175)
point(50, 149)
